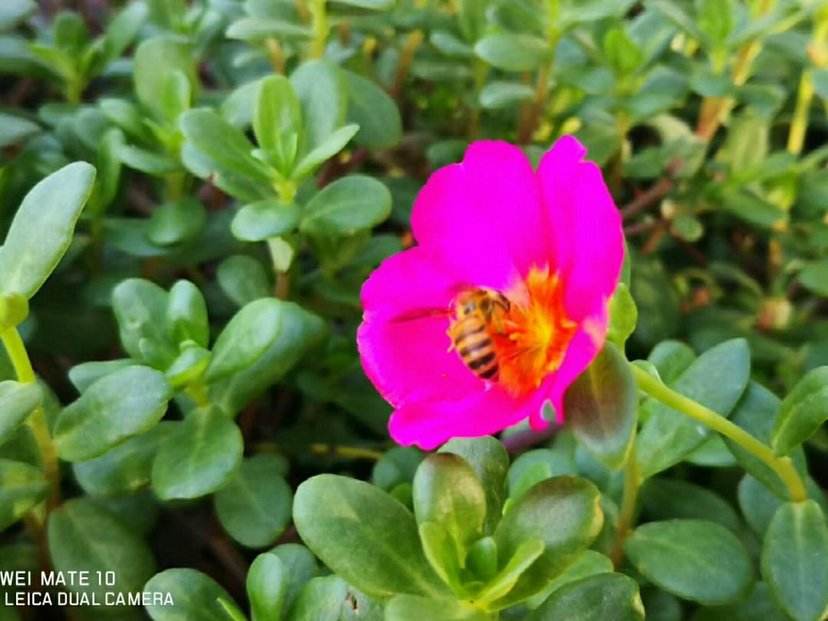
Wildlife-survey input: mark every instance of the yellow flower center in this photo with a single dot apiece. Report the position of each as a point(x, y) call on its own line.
point(528, 335)
point(536, 335)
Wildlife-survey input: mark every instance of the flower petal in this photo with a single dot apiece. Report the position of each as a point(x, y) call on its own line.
point(586, 237)
point(428, 424)
point(402, 340)
point(483, 217)
point(407, 282)
point(582, 350)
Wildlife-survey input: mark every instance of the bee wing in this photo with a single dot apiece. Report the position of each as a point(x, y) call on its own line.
point(421, 313)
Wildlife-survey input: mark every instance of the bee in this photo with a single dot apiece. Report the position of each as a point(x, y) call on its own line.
point(479, 314)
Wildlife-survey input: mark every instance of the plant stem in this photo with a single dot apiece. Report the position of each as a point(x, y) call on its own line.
point(37, 421)
point(319, 25)
point(629, 500)
point(714, 110)
point(782, 466)
point(805, 93)
point(347, 452)
point(275, 54)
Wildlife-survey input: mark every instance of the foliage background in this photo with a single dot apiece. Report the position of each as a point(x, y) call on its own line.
point(274, 197)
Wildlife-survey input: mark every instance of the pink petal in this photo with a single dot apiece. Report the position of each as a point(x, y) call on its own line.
point(483, 218)
point(402, 340)
point(587, 240)
point(408, 281)
point(428, 424)
point(579, 355)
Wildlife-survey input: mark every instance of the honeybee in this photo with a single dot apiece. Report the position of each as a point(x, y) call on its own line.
point(476, 316)
point(479, 315)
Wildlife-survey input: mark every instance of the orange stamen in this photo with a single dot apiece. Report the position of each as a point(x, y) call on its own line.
point(536, 332)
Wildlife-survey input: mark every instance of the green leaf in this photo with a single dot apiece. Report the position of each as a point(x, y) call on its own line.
point(373, 111)
point(757, 503)
point(564, 513)
point(673, 498)
point(84, 537)
point(197, 457)
point(450, 507)
point(156, 60)
point(176, 222)
point(602, 406)
point(671, 359)
point(299, 332)
point(802, 412)
point(22, 486)
point(121, 31)
point(715, 20)
point(265, 219)
point(363, 535)
point(757, 413)
point(118, 406)
point(140, 307)
point(497, 95)
point(506, 579)
point(156, 164)
point(794, 557)
point(14, 129)
point(814, 277)
point(245, 338)
point(42, 228)
point(490, 462)
point(186, 315)
point(374, 5)
point(599, 597)
point(694, 559)
point(17, 401)
point(124, 468)
point(85, 374)
point(758, 605)
point(416, 608)
point(227, 149)
point(623, 315)
point(243, 279)
point(589, 563)
point(266, 585)
point(255, 505)
point(320, 86)
point(299, 566)
point(513, 52)
point(716, 379)
point(621, 52)
point(189, 366)
point(447, 491)
point(195, 597)
point(330, 598)
point(277, 116)
point(329, 147)
point(259, 28)
point(347, 206)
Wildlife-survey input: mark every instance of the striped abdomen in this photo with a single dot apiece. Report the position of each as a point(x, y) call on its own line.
point(474, 345)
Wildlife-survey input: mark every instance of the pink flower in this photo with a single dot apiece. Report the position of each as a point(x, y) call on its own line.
point(539, 252)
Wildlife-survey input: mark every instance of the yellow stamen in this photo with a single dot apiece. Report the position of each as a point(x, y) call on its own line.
point(536, 334)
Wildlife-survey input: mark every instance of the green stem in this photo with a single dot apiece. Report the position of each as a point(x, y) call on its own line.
point(198, 393)
point(346, 452)
point(629, 500)
point(37, 421)
point(782, 466)
point(319, 25)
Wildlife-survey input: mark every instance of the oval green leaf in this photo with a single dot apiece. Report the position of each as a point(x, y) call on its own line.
point(697, 560)
point(363, 535)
